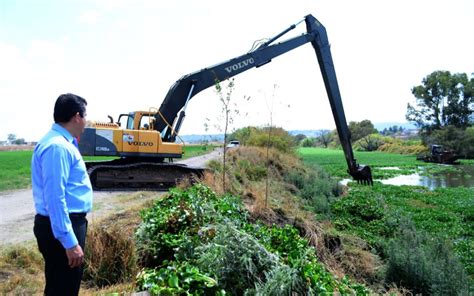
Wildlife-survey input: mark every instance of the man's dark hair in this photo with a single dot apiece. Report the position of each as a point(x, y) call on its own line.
point(67, 105)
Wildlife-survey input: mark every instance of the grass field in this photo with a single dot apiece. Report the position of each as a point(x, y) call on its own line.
point(15, 171)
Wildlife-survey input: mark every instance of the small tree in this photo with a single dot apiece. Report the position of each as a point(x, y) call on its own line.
point(229, 110)
point(324, 138)
point(270, 111)
point(361, 129)
point(11, 138)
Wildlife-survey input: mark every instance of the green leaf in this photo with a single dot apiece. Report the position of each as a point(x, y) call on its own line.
point(173, 281)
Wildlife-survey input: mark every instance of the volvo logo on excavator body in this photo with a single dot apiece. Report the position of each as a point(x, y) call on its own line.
point(136, 143)
point(240, 65)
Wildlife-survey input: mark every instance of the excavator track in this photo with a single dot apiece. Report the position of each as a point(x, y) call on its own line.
point(117, 176)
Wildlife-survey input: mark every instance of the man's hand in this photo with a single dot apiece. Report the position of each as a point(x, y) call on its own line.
point(75, 256)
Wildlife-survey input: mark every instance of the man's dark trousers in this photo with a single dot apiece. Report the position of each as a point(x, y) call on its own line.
point(60, 278)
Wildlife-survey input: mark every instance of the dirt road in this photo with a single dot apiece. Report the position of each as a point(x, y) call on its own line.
point(17, 210)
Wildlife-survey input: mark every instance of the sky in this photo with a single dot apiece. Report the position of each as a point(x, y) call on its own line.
point(124, 55)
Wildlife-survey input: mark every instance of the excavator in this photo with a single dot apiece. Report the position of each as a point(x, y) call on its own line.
point(149, 137)
point(439, 154)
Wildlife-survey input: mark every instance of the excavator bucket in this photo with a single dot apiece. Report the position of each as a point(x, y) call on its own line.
point(362, 174)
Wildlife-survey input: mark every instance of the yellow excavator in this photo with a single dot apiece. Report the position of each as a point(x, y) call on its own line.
point(146, 146)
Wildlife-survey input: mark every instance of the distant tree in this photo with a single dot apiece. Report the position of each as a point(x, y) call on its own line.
point(243, 134)
point(442, 99)
point(308, 142)
point(361, 129)
point(392, 130)
point(19, 141)
point(299, 138)
point(11, 138)
point(324, 138)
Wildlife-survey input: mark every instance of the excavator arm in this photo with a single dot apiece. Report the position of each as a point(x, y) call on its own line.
point(172, 111)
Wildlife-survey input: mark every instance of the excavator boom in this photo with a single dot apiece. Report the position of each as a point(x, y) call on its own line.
point(172, 110)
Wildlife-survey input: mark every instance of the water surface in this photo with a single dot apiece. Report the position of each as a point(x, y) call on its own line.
point(462, 176)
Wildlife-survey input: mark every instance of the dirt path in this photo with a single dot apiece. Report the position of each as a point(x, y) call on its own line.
point(17, 210)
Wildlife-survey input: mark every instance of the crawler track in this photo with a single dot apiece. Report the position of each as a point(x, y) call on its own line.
point(119, 175)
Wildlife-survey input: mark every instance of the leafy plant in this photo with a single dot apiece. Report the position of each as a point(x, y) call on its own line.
point(201, 243)
point(176, 221)
point(177, 279)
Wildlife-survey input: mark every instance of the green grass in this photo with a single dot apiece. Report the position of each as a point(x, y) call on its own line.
point(15, 172)
point(15, 166)
point(373, 212)
point(196, 150)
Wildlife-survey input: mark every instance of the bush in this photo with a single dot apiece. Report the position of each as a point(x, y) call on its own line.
point(370, 142)
point(175, 222)
point(236, 259)
point(458, 139)
point(315, 186)
point(424, 264)
point(254, 136)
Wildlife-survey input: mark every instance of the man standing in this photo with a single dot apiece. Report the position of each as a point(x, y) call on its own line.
point(62, 195)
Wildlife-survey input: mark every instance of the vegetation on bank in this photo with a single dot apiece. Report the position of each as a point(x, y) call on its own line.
point(426, 237)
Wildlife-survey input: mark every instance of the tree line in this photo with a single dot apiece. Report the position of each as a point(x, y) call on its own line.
point(443, 114)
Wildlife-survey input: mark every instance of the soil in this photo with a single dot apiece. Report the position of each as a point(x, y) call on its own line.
point(17, 209)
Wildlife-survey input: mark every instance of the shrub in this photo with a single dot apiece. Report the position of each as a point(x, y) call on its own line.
point(254, 136)
point(370, 142)
point(175, 222)
point(236, 259)
point(315, 186)
point(424, 264)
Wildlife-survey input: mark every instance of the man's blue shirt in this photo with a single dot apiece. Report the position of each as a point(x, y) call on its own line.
point(60, 182)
